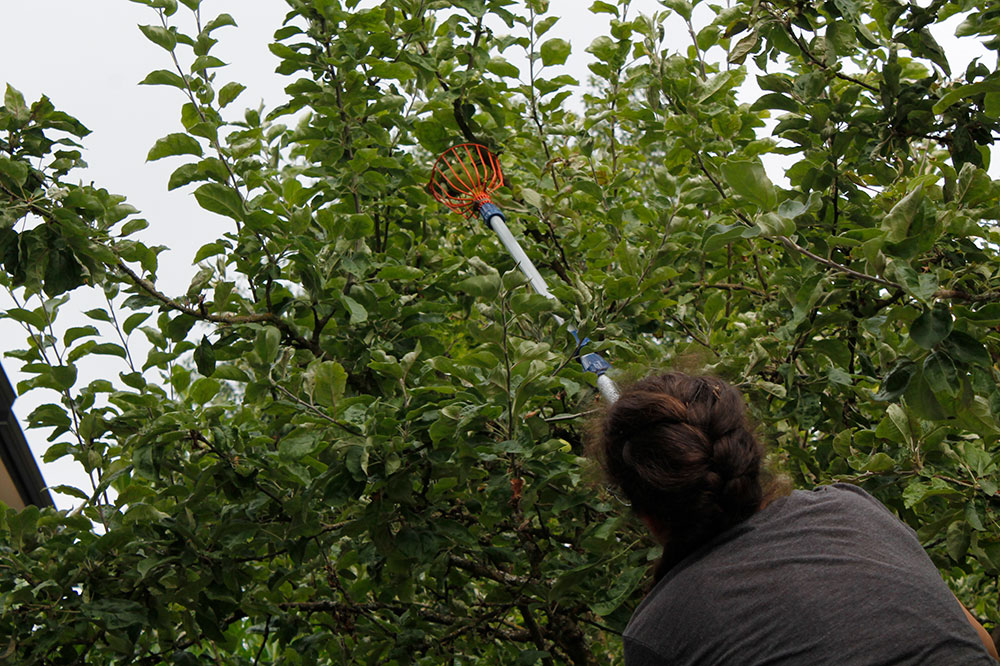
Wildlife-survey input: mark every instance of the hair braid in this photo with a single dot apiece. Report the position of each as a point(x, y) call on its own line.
point(680, 449)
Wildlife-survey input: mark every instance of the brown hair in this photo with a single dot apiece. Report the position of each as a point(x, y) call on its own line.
point(680, 449)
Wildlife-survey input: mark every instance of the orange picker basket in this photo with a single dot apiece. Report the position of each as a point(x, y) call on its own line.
point(464, 177)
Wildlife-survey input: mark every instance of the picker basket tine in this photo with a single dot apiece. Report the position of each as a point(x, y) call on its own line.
point(464, 176)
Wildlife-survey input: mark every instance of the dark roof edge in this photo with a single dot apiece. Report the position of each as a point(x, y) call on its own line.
point(15, 452)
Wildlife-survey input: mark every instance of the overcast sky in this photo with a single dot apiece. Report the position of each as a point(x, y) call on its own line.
point(88, 57)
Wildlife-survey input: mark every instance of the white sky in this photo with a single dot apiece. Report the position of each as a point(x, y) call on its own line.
point(88, 57)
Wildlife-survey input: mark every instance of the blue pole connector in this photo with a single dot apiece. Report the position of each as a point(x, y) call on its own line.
point(488, 210)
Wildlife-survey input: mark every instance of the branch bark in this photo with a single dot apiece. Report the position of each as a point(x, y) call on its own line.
point(222, 318)
point(484, 571)
point(429, 614)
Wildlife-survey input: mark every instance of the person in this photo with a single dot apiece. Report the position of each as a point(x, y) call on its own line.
point(752, 573)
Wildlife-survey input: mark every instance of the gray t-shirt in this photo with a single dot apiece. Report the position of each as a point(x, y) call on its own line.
point(827, 576)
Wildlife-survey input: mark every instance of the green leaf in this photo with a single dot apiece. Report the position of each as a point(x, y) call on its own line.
point(894, 384)
point(73, 334)
point(217, 198)
point(209, 250)
point(743, 48)
point(957, 540)
point(917, 492)
point(600, 7)
point(775, 101)
point(108, 349)
point(480, 286)
point(204, 62)
point(621, 589)
point(932, 326)
point(356, 462)
point(204, 357)
point(136, 513)
point(164, 77)
point(220, 21)
point(772, 225)
point(357, 311)
point(403, 273)
point(543, 26)
point(531, 197)
point(329, 382)
point(64, 376)
point(71, 491)
point(879, 463)
point(842, 444)
point(399, 71)
point(555, 52)
point(966, 349)
point(749, 180)
point(31, 317)
point(81, 350)
point(897, 222)
point(229, 92)
point(991, 105)
point(203, 389)
point(266, 343)
point(99, 314)
point(921, 286)
point(433, 135)
point(134, 321)
point(62, 272)
point(530, 657)
point(920, 399)
point(682, 7)
point(901, 420)
point(174, 144)
point(169, 7)
point(299, 443)
point(230, 373)
point(160, 36)
point(987, 315)
point(16, 170)
point(973, 518)
point(14, 104)
point(501, 67)
point(133, 226)
point(941, 374)
point(990, 85)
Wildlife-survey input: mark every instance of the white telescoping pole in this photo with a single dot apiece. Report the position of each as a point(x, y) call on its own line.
point(591, 362)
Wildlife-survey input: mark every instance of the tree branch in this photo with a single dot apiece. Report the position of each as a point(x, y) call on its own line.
point(731, 287)
point(830, 263)
point(816, 61)
point(484, 571)
point(429, 614)
point(222, 318)
point(536, 632)
point(792, 245)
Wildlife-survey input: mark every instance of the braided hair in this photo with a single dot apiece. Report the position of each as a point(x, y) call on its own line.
point(680, 449)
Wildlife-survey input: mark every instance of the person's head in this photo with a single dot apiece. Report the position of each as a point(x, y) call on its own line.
point(679, 448)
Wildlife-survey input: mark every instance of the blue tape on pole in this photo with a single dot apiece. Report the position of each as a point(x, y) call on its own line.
point(576, 336)
point(595, 363)
point(488, 210)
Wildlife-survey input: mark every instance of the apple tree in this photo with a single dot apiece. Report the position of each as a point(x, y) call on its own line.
point(358, 437)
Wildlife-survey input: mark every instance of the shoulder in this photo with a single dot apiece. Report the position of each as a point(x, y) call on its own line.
point(856, 503)
point(840, 493)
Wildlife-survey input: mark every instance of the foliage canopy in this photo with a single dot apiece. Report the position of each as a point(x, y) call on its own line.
point(357, 437)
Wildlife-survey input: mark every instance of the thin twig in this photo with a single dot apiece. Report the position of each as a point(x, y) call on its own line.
point(263, 642)
point(314, 409)
point(694, 336)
